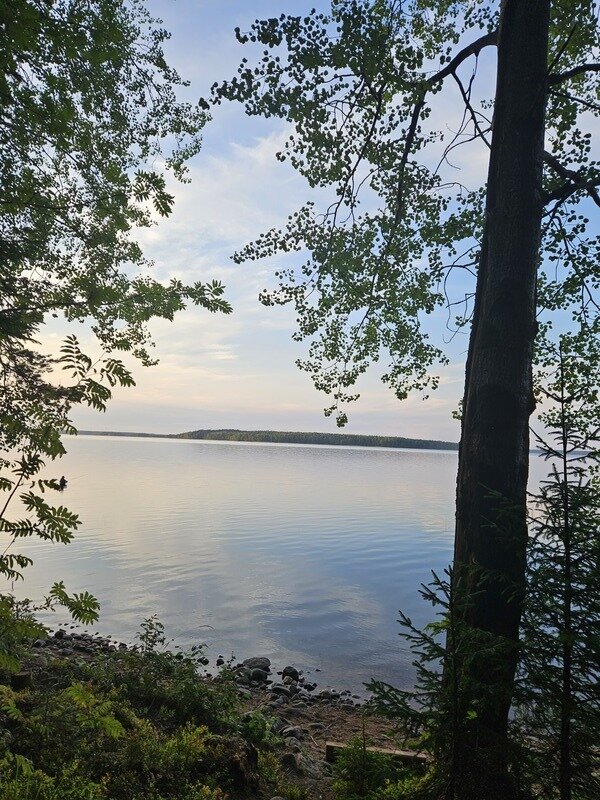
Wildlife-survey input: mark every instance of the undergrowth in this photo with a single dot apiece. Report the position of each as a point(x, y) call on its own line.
point(131, 725)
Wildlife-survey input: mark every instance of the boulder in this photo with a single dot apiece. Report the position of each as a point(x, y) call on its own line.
point(258, 662)
point(291, 672)
point(280, 689)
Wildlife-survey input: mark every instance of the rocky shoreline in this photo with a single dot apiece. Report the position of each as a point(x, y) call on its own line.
point(253, 675)
point(302, 716)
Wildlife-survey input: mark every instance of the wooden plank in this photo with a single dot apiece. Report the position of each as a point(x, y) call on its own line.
point(332, 750)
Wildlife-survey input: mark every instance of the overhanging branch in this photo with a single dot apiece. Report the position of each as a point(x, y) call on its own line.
point(473, 49)
point(574, 182)
point(580, 69)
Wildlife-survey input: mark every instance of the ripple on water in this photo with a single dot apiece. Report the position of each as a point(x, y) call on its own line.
point(302, 554)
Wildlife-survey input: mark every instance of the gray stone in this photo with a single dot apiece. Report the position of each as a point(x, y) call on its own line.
point(281, 690)
point(292, 744)
point(328, 694)
point(293, 731)
point(59, 634)
point(258, 662)
point(259, 675)
point(309, 767)
point(291, 672)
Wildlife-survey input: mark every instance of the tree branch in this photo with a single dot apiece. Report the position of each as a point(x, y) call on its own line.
point(560, 77)
point(472, 49)
point(574, 182)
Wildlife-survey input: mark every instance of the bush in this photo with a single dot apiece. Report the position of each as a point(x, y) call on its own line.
point(127, 726)
point(363, 774)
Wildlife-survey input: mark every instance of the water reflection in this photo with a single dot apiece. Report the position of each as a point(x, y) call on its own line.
point(303, 554)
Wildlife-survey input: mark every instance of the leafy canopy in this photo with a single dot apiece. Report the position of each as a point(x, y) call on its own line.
point(398, 236)
point(90, 129)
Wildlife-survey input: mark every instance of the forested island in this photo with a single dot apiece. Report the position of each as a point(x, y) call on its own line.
point(313, 437)
point(292, 437)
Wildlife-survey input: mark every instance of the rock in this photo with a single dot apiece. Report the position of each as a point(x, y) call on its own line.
point(310, 768)
point(280, 700)
point(292, 744)
point(258, 662)
point(259, 675)
point(220, 661)
point(293, 731)
point(277, 797)
point(281, 690)
point(328, 694)
point(290, 762)
point(245, 693)
point(287, 679)
point(291, 672)
point(243, 677)
point(59, 634)
point(278, 724)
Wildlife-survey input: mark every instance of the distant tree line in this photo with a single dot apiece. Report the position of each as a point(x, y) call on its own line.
point(312, 437)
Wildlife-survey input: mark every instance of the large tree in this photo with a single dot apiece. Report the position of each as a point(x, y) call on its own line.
point(90, 128)
point(360, 86)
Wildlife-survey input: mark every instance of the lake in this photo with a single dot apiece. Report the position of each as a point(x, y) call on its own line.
point(302, 554)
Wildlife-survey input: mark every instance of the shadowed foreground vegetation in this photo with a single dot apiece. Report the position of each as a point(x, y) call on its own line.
point(144, 724)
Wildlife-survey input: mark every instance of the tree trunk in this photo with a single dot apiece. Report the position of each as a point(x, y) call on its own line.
point(489, 557)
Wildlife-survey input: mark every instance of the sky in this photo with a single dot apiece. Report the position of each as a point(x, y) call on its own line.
point(238, 371)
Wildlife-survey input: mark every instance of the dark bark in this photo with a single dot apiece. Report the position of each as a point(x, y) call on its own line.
point(494, 451)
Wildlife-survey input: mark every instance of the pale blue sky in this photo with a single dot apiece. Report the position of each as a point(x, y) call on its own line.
point(239, 371)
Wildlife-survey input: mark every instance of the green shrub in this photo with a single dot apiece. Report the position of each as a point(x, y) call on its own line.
point(363, 774)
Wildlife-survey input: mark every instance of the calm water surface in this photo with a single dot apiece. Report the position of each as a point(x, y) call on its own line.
point(303, 554)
